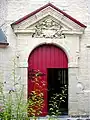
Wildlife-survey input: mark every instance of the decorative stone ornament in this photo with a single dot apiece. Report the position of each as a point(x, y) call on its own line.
point(48, 29)
point(41, 27)
point(48, 22)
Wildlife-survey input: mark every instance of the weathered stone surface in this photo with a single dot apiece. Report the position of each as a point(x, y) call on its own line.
point(77, 47)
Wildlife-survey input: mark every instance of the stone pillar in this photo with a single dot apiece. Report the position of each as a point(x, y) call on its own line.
point(72, 91)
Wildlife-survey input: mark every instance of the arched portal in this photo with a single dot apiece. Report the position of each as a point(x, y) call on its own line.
point(49, 64)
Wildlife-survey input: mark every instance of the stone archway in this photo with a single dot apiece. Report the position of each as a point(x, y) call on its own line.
point(50, 25)
point(49, 60)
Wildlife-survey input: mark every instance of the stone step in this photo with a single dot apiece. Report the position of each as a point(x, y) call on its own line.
point(62, 118)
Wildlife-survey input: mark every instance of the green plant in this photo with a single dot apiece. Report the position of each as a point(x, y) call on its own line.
point(36, 96)
point(56, 100)
point(13, 106)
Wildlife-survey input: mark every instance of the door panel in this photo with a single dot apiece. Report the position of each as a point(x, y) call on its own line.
point(41, 58)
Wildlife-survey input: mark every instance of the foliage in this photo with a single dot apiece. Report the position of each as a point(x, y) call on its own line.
point(35, 103)
point(36, 96)
point(13, 106)
point(56, 100)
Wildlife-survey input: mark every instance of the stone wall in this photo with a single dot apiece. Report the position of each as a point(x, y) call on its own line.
point(3, 14)
point(12, 10)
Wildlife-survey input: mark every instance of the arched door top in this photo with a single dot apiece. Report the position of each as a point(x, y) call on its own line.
point(56, 56)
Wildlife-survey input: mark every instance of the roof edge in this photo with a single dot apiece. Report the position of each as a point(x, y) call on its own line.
point(1, 43)
point(43, 7)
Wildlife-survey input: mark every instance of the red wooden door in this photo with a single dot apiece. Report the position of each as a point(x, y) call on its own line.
point(41, 58)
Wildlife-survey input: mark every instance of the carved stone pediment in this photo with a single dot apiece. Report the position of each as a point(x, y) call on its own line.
point(48, 28)
point(48, 22)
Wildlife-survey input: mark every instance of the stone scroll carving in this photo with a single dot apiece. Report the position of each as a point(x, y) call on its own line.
point(48, 29)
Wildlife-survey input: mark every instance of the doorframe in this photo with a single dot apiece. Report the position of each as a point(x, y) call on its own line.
point(72, 74)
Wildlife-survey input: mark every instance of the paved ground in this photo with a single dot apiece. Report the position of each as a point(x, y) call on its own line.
point(64, 118)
